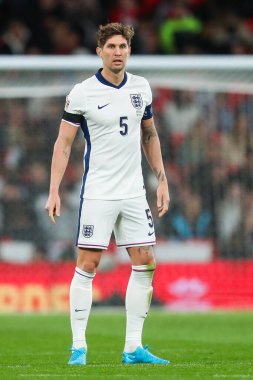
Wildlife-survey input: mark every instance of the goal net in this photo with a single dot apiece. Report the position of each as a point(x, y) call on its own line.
point(203, 108)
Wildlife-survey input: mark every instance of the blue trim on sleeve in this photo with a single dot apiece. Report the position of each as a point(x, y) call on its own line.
point(148, 113)
point(101, 79)
point(86, 134)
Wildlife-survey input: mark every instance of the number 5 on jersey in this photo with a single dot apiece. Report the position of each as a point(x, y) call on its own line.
point(123, 125)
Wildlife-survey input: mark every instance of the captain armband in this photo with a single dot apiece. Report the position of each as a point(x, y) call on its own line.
point(72, 118)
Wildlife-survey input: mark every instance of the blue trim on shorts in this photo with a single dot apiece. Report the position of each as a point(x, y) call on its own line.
point(79, 218)
point(86, 134)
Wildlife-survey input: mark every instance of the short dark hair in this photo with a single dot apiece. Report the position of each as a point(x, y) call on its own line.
point(113, 29)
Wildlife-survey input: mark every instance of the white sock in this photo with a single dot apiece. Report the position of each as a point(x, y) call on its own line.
point(80, 305)
point(138, 298)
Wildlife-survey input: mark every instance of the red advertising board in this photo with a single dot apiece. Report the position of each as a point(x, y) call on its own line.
point(44, 286)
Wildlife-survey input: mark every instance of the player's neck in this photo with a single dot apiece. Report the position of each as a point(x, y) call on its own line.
point(114, 78)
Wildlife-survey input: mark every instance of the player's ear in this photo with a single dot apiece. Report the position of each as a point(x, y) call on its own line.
point(129, 51)
point(99, 51)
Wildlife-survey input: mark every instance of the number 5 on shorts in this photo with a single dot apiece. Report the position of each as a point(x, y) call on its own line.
point(149, 217)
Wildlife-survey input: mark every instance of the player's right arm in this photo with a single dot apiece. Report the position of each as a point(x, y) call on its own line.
point(60, 158)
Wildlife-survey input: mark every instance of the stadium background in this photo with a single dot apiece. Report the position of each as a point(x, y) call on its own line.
point(205, 248)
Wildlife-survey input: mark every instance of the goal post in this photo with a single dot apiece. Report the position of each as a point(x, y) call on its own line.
point(54, 76)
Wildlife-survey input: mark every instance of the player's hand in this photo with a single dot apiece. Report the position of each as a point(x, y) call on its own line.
point(163, 198)
point(53, 206)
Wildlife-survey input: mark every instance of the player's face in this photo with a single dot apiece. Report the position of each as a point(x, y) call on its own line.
point(114, 53)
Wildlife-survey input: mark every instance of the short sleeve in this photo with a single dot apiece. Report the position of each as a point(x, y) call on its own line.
point(148, 113)
point(74, 106)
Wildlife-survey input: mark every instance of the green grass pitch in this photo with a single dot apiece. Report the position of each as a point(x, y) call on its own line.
point(200, 346)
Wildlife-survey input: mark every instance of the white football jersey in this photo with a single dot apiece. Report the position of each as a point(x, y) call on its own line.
point(110, 118)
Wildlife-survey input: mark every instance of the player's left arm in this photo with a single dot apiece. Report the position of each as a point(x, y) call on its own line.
point(152, 149)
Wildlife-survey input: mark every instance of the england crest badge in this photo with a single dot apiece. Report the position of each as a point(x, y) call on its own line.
point(87, 230)
point(136, 100)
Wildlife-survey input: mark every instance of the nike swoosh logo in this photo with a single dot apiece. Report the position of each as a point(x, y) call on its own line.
point(76, 310)
point(151, 233)
point(100, 107)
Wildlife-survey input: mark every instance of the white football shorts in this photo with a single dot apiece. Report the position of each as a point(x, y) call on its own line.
point(130, 219)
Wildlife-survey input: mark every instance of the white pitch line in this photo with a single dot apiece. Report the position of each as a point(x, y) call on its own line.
point(48, 375)
point(237, 376)
point(77, 375)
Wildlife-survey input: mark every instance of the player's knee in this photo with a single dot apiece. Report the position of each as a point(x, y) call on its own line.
point(147, 254)
point(90, 266)
point(88, 260)
point(143, 256)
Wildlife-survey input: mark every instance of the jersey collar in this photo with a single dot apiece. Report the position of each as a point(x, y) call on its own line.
point(107, 83)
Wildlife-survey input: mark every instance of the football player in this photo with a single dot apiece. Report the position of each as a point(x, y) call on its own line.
point(114, 110)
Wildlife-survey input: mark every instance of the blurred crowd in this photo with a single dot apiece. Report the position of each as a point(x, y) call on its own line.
point(162, 26)
point(207, 141)
point(207, 145)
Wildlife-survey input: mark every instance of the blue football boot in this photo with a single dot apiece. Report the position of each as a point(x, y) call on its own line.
point(141, 356)
point(78, 356)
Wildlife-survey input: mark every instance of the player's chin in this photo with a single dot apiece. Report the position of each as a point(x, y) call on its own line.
point(117, 68)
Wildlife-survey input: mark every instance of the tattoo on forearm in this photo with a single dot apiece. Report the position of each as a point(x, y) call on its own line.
point(148, 133)
point(66, 153)
point(159, 175)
